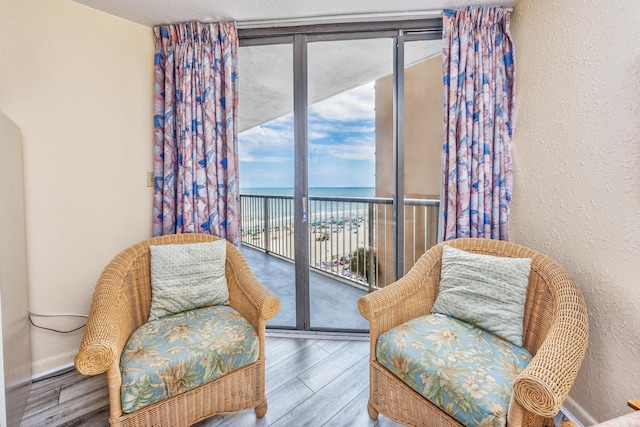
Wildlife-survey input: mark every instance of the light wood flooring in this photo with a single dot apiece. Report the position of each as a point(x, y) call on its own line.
point(309, 382)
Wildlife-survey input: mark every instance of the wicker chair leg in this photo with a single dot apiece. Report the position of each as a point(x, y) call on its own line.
point(373, 412)
point(261, 409)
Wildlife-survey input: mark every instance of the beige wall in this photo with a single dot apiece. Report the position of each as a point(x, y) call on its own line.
point(79, 84)
point(577, 176)
point(423, 131)
point(422, 160)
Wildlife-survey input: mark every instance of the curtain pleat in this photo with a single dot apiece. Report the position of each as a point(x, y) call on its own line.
point(195, 130)
point(479, 93)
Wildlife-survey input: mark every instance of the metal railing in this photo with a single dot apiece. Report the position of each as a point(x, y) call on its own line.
point(351, 238)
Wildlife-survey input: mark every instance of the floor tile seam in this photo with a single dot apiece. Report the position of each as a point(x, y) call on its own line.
point(294, 354)
point(332, 352)
point(102, 394)
point(341, 408)
point(64, 390)
point(312, 366)
point(345, 405)
point(45, 408)
point(345, 369)
point(327, 355)
point(366, 384)
point(271, 344)
point(299, 403)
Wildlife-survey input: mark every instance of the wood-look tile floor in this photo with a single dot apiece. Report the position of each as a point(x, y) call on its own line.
point(309, 382)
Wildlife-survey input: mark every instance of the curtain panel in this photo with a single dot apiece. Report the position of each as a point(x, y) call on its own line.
point(479, 94)
point(195, 130)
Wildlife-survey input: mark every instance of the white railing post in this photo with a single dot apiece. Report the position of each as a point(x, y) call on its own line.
point(267, 243)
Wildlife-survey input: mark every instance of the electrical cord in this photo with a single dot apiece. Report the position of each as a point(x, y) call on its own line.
point(33, 313)
point(55, 330)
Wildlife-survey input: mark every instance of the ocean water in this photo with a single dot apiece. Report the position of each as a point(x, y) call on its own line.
point(281, 211)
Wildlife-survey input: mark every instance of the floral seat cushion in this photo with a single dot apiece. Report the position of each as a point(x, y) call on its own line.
point(465, 371)
point(179, 352)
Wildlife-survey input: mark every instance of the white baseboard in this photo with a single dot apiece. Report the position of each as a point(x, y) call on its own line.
point(53, 372)
point(563, 415)
point(576, 413)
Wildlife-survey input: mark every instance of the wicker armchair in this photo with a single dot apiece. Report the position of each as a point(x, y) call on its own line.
point(121, 303)
point(555, 331)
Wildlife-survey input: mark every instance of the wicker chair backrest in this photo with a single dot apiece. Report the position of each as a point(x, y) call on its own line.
point(546, 280)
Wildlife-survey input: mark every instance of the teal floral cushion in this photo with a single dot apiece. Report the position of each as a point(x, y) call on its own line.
point(179, 352)
point(465, 371)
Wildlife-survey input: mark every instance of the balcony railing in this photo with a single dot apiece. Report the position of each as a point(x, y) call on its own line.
point(351, 238)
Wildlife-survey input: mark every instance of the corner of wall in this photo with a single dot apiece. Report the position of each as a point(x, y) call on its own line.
point(52, 365)
point(576, 413)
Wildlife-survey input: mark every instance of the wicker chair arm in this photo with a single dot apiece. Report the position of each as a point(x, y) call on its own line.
point(104, 338)
point(402, 292)
point(544, 384)
point(395, 297)
point(265, 303)
point(409, 297)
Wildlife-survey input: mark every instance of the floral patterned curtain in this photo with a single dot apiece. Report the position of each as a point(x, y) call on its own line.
point(479, 92)
point(195, 130)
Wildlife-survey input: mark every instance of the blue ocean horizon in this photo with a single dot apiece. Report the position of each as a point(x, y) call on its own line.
point(318, 210)
point(313, 191)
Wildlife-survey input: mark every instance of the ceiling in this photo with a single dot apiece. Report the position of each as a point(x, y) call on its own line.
point(266, 87)
point(156, 12)
point(266, 77)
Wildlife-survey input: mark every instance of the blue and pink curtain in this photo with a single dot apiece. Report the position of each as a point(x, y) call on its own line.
point(195, 130)
point(479, 93)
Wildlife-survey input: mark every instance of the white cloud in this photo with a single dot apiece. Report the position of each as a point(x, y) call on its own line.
point(320, 129)
point(319, 132)
point(354, 104)
point(271, 142)
point(353, 149)
point(262, 159)
point(275, 134)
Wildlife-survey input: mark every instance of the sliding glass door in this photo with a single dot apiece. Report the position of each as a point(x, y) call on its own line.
point(266, 147)
point(342, 172)
point(333, 202)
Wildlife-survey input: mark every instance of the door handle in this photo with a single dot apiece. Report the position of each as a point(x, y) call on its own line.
point(304, 209)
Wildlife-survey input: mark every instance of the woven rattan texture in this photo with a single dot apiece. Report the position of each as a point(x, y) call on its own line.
point(555, 331)
point(121, 303)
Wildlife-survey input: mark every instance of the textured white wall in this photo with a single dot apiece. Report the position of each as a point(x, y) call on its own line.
point(79, 84)
point(577, 176)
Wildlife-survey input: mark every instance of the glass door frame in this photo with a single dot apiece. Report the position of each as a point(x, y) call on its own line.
point(299, 37)
point(301, 181)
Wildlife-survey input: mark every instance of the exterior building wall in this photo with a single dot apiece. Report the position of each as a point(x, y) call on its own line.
point(422, 161)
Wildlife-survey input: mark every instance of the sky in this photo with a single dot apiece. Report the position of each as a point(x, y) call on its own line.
point(341, 145)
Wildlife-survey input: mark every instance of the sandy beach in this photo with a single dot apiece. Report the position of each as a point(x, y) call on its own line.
point(331, 243)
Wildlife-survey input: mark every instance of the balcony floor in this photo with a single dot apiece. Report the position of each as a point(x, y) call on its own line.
point(334, 305)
